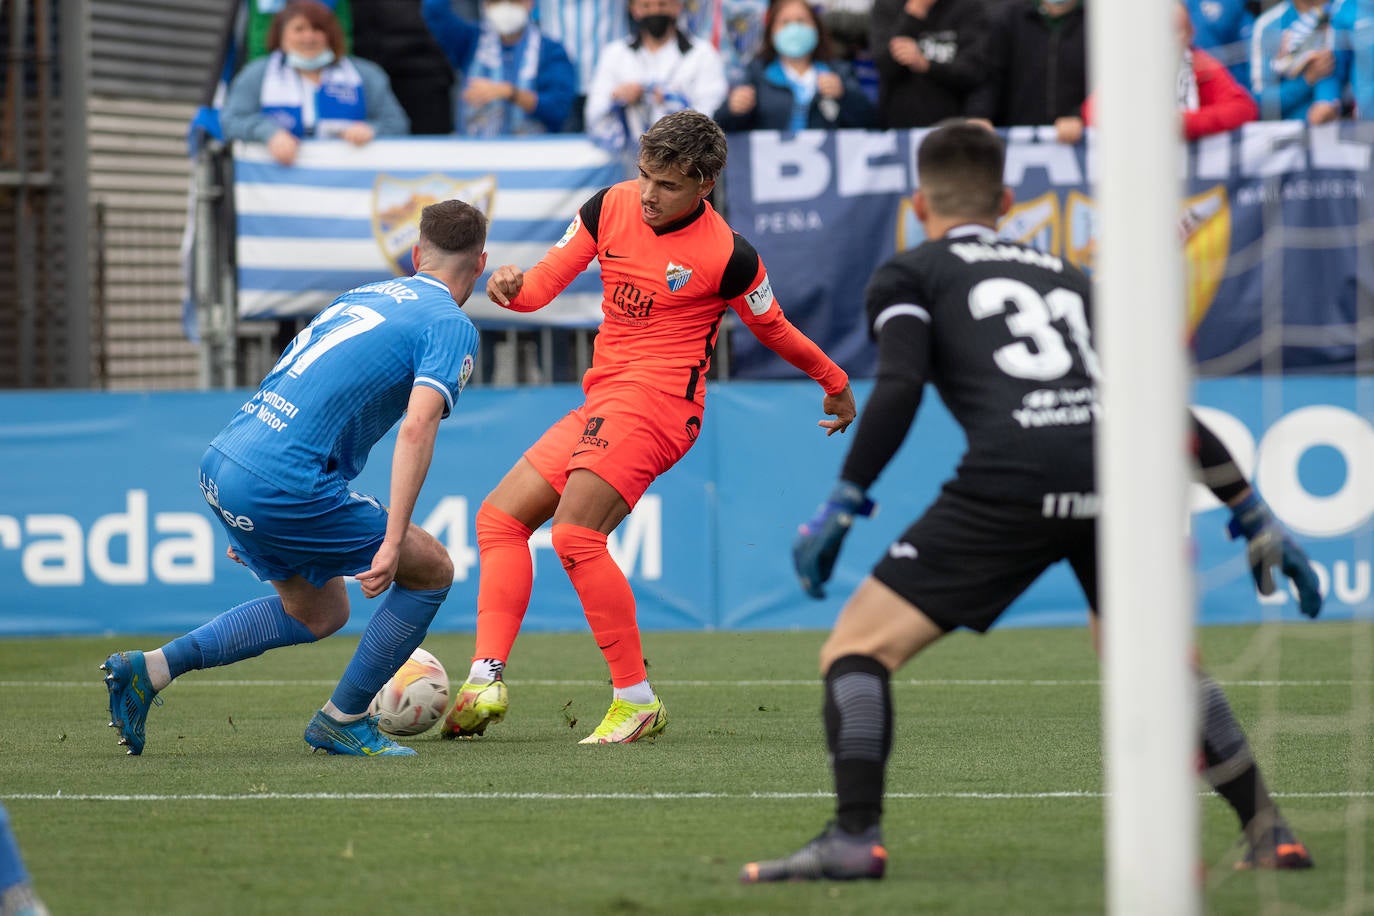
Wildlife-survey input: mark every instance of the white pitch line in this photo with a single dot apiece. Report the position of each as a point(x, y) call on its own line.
point(589, 796)
point(781, 682)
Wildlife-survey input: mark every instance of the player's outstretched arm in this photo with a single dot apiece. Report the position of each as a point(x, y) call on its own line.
point(841, 406)
point(409, 465)
point(1268, 543)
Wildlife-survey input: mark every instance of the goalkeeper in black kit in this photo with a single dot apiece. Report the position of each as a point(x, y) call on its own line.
point(1003, 332)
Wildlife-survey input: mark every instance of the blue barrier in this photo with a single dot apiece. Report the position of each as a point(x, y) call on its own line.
point(102, 527)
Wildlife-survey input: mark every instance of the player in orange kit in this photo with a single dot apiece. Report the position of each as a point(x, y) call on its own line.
point(672, 267)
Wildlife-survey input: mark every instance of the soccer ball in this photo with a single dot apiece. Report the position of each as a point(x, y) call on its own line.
point(414, 699)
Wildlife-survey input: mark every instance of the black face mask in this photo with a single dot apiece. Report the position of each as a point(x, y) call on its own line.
point(656, 25)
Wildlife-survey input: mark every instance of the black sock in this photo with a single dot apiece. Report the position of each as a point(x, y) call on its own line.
point(1231, 768)
point(858, 731)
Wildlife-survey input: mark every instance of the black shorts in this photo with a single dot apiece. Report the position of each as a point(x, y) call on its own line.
point(966, 559)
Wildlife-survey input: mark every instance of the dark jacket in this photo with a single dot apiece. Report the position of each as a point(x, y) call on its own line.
point(951, 39)
point(1036, 71)
point(773, 109)
point(393, 35)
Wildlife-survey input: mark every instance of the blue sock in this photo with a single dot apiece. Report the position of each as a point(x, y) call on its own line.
point(12, 870)
point(246, 631)
point(394, 632)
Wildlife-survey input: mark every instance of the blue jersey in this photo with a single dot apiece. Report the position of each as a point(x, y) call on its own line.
point(346, 379)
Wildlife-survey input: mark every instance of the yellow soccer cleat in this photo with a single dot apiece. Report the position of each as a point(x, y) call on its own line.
point(478, 706)
point(626, 722)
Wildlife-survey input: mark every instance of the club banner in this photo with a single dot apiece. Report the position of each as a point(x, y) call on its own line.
point(103, 527)
point(342, 216)
point(1274, 223)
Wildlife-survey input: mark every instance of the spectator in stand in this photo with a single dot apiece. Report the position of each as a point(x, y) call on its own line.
point(658, 70)
point(583, 28)
point(1298, 66)
point(516, 79)
point(1210, 101)
point(392, 34)
point(848, 22)
point(262, 12)
point(1362, 58)
point(1223, 29)
point(793, 81)
point(1036, 67)
point(927, 53)
point(307, 87)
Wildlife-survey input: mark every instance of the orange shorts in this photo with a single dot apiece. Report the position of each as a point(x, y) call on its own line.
point(626, 434)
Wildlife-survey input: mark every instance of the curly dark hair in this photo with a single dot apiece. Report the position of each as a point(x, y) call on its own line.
point(687, 140)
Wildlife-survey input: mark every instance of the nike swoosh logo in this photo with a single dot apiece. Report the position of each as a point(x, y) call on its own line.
point(611, 254)
point(608, 645)
point(580, 451)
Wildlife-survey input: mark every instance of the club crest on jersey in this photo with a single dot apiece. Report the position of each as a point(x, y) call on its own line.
point(396, 206)
point(677, 276)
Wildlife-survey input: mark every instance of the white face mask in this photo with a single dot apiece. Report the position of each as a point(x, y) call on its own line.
point(505, 18)
point(318, 62)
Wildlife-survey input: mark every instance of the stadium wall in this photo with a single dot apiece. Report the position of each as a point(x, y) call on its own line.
point(103, 529)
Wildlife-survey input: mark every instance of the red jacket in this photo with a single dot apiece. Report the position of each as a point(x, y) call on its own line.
point(1223, 103)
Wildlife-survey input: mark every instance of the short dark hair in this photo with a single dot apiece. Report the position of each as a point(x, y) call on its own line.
point(314, 12)
point(686, 140)
point(453, 227)
point(960, 165)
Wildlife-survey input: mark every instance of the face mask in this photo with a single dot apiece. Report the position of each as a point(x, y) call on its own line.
point(796, 39)
point(506, 18)
point(318, 62)
point(656, 25)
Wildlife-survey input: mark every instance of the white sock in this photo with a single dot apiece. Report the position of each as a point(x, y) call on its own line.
point(158, 672)
point(640, 694)
point(485, 670)
point(333, 712)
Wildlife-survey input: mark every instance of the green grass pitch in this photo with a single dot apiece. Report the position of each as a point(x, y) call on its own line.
point(995, 785)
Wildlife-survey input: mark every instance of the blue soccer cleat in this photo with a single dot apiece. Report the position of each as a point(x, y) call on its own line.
point(131, 695)
point(356, 739)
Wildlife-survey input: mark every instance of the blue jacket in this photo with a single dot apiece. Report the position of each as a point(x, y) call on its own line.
point(773, 109)
point(555, 84)
point(242, 118)
point(1282, 97)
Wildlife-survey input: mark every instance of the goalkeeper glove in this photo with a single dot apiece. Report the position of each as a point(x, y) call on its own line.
point(818, 541)
point(1269, 545)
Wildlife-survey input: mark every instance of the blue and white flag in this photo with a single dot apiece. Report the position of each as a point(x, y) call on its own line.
point(342, 216)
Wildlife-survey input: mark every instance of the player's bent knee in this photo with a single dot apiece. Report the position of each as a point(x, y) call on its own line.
point(425, 562)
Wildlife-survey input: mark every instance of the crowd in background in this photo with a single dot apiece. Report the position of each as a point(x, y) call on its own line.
point(356, 69)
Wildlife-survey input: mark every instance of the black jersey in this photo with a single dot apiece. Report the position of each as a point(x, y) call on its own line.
point(1003, 332)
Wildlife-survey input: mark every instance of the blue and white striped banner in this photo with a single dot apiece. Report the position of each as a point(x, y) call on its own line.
point(342, 216)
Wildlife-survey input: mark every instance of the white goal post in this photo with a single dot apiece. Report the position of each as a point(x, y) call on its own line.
point(1145, 581)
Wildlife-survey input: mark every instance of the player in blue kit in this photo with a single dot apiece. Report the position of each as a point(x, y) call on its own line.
point(277, 478)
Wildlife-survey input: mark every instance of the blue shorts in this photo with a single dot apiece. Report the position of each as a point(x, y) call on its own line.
point(279, 535)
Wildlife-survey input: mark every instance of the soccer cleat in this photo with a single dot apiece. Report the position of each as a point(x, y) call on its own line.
point(478, 706)
point(131, 694)
point(626, 722)
point(834, 856)
point(356, 739)
point(1270, 844)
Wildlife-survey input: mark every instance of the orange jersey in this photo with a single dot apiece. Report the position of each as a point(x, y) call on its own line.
point(666, 292)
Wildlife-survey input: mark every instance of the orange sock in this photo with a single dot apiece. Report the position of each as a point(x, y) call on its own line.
point(606, 599)
point(507, 576)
